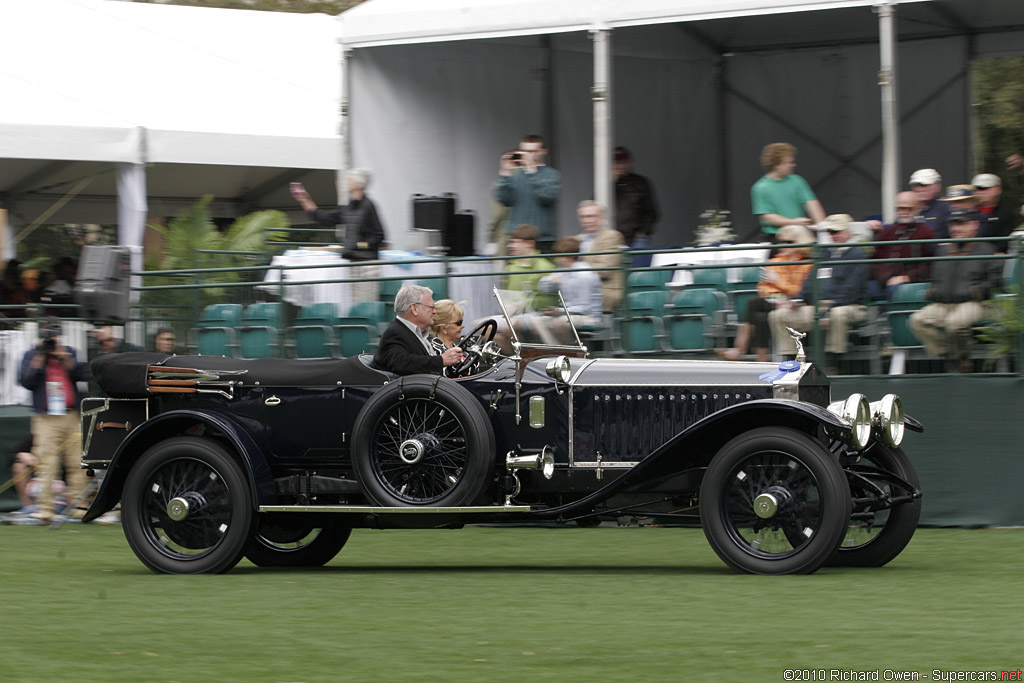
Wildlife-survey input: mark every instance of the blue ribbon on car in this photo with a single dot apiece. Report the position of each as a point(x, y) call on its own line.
point(785, 367)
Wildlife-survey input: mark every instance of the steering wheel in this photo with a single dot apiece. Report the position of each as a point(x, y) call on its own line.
point(472, 344)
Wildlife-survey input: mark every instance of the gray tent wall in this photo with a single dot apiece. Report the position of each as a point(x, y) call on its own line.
point(695, 101)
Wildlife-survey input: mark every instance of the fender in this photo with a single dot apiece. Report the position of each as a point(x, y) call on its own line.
point(719, 427)
point(250, 455)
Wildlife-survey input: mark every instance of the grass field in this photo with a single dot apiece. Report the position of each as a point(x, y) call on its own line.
point(491, 604)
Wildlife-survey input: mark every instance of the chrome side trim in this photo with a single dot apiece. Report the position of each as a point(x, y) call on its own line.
point(374, 510)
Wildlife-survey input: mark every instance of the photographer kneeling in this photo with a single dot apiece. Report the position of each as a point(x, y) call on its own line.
point(50, 371)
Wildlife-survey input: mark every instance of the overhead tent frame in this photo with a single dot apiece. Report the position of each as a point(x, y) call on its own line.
point(164, 101)
point(390, 23)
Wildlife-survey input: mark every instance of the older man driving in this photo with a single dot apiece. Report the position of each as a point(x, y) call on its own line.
point(405, 347)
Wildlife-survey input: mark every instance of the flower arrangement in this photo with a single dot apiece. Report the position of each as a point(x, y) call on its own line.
point(715, 229)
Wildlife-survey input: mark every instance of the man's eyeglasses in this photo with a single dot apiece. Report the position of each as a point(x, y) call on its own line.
point(430, 306)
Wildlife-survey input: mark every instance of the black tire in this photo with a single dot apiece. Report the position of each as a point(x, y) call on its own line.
point(423, 441)
point(781, 469)
point(874, 542)
point(283, 544)
point(187, 508)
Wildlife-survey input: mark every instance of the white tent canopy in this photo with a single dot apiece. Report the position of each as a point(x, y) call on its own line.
point(231, 102)
point(440, 88)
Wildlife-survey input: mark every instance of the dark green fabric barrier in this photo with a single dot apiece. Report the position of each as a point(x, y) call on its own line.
point(14, 425)
point(970, 456)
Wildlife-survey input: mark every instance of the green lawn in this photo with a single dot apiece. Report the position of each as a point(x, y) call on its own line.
point(493, 604)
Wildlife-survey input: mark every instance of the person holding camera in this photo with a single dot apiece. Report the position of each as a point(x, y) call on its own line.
point(530, 189)
point(50, 372)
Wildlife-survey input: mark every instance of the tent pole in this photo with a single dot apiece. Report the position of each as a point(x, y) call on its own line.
point(600, 94)
point(890, 107)
point(344, 144)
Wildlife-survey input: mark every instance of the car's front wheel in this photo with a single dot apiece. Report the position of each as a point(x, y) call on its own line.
point(187, 508)
point(876, 536)
point(774, 501)
point(284, 544)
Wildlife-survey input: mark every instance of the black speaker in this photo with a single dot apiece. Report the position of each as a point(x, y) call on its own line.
point(433, 213)
point(438, 213)
point(459, 239)
point(102, 287)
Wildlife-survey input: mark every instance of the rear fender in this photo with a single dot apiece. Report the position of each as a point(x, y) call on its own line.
point(234, 436)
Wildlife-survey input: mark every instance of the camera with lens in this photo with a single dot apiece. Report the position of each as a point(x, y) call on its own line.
point(49, 343)
point(516, 156)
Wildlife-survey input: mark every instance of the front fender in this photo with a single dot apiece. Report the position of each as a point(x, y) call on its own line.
point(175, 423)
point(697, 444)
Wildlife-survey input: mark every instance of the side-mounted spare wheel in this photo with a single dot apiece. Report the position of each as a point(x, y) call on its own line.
point(187, 508)
point(423, 440)
point(774, 501)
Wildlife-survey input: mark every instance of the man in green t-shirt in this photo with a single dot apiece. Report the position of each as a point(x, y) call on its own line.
point(781, 197)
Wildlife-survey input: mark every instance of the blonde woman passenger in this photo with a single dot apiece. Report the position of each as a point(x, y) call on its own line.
point(448, 324)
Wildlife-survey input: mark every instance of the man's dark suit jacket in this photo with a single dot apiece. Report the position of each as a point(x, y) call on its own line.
point(402, 353)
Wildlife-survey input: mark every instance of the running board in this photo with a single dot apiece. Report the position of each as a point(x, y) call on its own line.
point(372, 510)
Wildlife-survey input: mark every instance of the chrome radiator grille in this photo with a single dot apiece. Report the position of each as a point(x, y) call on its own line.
point(624, 424)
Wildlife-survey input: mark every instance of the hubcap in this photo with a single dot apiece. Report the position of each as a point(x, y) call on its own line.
point(178, 509)
point(411, 451)
point(767, 504)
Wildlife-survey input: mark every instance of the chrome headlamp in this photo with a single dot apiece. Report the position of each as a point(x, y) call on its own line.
point(558, 369)
point(889, 419)
point(857, 411)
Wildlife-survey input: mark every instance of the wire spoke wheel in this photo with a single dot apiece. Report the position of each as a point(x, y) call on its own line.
point(187, 508)
point(420, 451)
point(774, 501)
point(423, 441)
point(286, 543)
point(879, 530)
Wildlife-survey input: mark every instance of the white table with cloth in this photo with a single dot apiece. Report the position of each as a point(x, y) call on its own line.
point(752, 253)
point(470, 279)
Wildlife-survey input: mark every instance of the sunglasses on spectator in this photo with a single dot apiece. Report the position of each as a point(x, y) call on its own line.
point(905, 208)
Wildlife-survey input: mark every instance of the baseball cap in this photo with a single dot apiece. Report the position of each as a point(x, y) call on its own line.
point(836, 222)
point(958, 193)
point(983, 181)
point(925, 176)
point(963, 216)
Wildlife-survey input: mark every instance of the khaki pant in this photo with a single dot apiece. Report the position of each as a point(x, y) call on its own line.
point(360, 288)
point(57, 439)
point(840, 319)
point(945, 329)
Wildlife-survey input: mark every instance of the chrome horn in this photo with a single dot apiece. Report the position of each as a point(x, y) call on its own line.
point(543, 461)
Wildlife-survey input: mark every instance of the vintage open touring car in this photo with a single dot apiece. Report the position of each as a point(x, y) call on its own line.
point(277, 460)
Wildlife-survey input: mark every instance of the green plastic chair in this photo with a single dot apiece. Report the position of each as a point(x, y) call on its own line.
point(216, 331)
point(906, 299)
point(439, 286)
point(359, 331)
point(312, 335)
point(642, 329)
point(690, 320)
point(259, 335)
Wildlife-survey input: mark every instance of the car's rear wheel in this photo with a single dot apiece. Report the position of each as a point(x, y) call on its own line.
point(873, 538)
point(774, 501)
point(423, 440)
point(187, 508)
point(278, 543)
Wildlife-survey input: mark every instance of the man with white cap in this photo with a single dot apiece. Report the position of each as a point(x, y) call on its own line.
point(926, 183)
point(997, 219)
